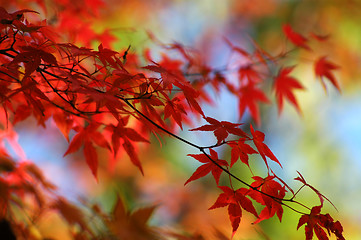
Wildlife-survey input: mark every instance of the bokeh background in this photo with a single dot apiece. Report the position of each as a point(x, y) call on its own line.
point(323, 143)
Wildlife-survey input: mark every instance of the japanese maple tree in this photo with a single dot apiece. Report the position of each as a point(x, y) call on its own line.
point(107, 100)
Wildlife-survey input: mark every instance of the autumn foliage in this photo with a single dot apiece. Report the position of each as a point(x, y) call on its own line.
point(113, 101)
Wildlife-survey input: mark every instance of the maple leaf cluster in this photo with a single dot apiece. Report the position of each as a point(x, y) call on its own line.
point(102, 99)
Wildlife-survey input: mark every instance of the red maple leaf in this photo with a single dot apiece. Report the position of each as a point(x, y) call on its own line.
point(296, 38)
point(14, 18)
point(64, 123)
point(271, 188)
point(169, 77)
point(263, 149)
point(208, 166)
point(128, 135)
point(129, 148)
point(170, 64)
point(148, 108)
point(284, 85)
point(191, 96)
point(32, 57)
point(316, 222)
point(240, 150)
point(221, 129)
point(323, 68)
point(248, 73)
point(175, 109)
point(234, 200)
point(87, 137)
point(249, 95)
point(107, 56)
